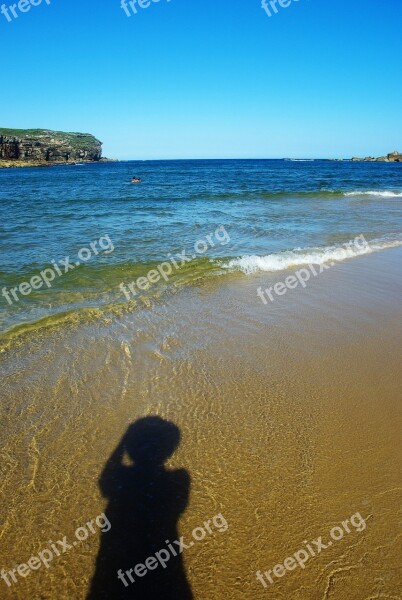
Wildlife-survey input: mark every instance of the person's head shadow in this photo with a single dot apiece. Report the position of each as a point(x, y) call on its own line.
point(138, 557)
point(150, 441)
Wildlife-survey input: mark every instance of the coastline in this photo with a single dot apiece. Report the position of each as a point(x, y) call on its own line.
point(290, 421)
point(20, 164)
point(9, 164)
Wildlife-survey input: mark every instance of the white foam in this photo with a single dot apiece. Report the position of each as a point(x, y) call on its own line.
point(298, 257)
point(379, 193)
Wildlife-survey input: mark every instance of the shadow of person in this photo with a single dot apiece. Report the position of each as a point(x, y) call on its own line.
point(145, 503)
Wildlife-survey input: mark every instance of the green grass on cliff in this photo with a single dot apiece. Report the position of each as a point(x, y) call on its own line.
point(74, 139)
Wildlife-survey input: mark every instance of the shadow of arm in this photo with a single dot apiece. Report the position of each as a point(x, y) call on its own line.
point(111, 475)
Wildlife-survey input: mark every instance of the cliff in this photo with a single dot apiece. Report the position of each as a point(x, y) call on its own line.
point(41, 147)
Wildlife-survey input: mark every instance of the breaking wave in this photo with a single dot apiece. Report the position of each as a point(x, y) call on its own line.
point(305, 256)
point(379, 193)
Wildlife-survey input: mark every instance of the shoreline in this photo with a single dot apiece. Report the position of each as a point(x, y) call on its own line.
point(267, 282)
point(22, 164)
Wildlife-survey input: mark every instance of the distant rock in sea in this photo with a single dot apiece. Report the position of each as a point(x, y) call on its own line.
point(392, 157)
point(43, 147)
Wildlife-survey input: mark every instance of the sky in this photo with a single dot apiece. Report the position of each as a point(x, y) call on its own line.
point(209, 78)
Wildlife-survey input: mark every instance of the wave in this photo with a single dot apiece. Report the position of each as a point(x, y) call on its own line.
point(95, 294)
point(289, 259)
point(379, 193)
point(322, 193)
point(263, 194)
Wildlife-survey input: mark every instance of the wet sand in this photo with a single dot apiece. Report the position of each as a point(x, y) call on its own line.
point(290, 420)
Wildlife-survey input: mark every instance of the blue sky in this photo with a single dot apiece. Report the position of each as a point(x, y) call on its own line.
point(209, 78)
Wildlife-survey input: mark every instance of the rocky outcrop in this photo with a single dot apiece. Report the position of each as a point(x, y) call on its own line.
point(395, 156)
point(392, 157)
point(37, 147)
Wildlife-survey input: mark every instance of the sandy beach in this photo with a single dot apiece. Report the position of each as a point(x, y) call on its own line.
point(290, 420)
point(200, 300)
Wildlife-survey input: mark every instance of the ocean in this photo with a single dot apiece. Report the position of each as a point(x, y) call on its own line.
point(273, 215)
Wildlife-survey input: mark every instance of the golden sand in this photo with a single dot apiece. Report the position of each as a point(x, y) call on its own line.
point(290, 420)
